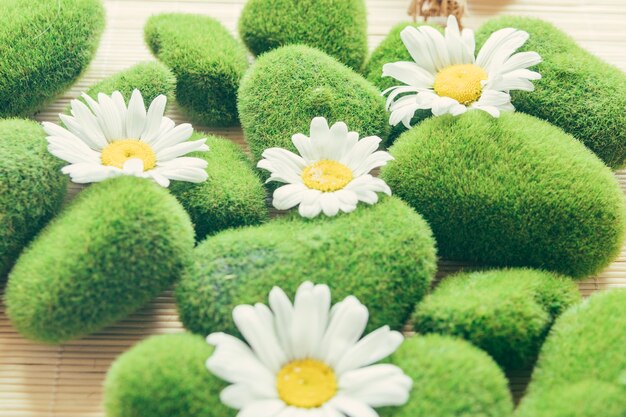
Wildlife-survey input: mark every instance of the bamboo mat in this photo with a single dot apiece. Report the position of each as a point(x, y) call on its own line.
point(65, 381)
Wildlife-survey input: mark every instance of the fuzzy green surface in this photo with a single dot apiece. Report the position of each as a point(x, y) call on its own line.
point(451, 378)
point(337, 27)
point(383, 254)
point(507, 313)
point(44, 46)
point(232, 196)
point(288, 87)
point(120, 243)
point(584, 399)
point(578, 92)
point(207, 61)
point(164, 376)
point(151, 78)
point(32, 186)
point(586, 342)
point(511, 191)
point(391, 50)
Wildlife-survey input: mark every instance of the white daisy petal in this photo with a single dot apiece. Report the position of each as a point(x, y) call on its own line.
point(136, 116)
point(238, 396)
point(283, 317)
point(288, 196)
point(409, 73)
point(375, 346)
point(179, 134)
point(133, 166)
point(304, 147)
point(91, 132)
point(264, 408)
point(347, 323)
point(437, 47)
point(520, 60)
point(110, 118)
point(310, 206)
point(416, 44)
point(153, 119)
point(182, 149)
point(352, 407)
point(380, 385)
point(83, 173)
point(310, 315)
point(467, 36)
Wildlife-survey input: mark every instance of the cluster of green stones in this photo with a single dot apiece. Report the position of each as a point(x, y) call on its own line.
point(532, 189)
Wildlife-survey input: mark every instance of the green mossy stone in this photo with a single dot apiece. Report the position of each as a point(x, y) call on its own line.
point(32, 187)
point(507, 313)
point(578, 92)
point(337, 27)
point(451, 378)
point(288, 87)
point(232, 196)
point(119, 244)
point(391, 50)
point(151, 78)
point(44, 46)
point(164, 376)
point(511, 191)
point(584, 399)
point(383, 254)
point(206, 59)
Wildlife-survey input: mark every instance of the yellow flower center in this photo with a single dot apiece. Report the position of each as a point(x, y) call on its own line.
point(461, 82)
point(306, 383)
point(327, 176)
point(116, 153)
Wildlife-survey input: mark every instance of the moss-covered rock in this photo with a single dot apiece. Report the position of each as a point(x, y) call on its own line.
point(586, 343)
point(206, 59)
point(120, 243)
point(507, 313)
point(32, 187)
point(232, 196)
point(451, 378)
point(578, 92)
point(337, 27)
point(151, 78)
point(512, 191)
point(290, 86)
point(164, 376)
point(44, 46)
point(383, 254)
point(588, 398)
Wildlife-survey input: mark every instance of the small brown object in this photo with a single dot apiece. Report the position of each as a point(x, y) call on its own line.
point(437, 8)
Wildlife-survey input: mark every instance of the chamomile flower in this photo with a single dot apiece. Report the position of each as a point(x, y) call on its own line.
point(106, 139)
point(307, 358)
point(330, 175)
point(447, 78)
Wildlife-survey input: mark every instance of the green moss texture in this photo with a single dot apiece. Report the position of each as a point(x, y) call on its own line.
point(207, 61)
point(578, 92)
point(390, 50)
point(337, 27)
point(44, 46)
point(164, 376)
point(383, 254)
point(120, 243)
point(32, 187)
point(585, 344)
point(151, 78)
point(512, 191)
point(451, 378)
point(290, 86)
point(507, 313)
point(232, 196)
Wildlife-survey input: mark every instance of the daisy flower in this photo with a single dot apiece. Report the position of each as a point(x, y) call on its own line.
point(307, 359)
point(331, 174)
point(446, 78)
point(106, 139)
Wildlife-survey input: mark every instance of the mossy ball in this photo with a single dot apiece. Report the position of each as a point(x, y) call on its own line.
point(288, 87)
point(578, 92)
point(451, 378)
point(510, 191)
point(32, 187)
point(164, 376)
point(588, 398)
point(44, 46)
point(383, 254)
point(232, 196)
point(151, 78)
point(586, 342)
point(206, 59)
point(337, 27)
point(119, 244)
point(507, 313)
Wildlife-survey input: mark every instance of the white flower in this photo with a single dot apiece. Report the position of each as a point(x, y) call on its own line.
point(331, 174)
point(306, 359)
point(446, 78)
point(108, 139)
